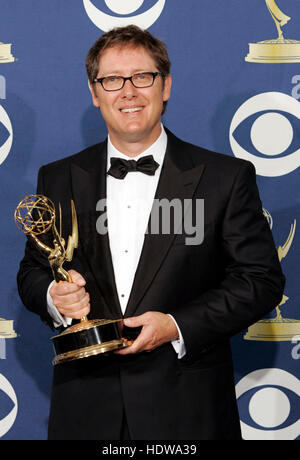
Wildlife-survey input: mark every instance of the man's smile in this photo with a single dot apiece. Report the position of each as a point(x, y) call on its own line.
point(131, 109)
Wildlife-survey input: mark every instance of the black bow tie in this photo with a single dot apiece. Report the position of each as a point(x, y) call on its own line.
point(119, 167)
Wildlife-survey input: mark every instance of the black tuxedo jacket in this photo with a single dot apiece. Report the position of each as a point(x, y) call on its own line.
point(213, 290)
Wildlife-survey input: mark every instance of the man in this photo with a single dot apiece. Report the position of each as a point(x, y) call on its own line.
point(181, 301)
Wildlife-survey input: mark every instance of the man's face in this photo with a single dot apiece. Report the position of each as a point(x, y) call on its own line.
point(143, 125)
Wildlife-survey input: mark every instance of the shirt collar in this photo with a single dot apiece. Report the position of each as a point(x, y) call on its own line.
point(157, 149)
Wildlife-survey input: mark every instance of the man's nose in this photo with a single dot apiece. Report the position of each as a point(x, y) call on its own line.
point(128, 89)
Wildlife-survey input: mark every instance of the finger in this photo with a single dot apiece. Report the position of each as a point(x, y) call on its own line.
point(77, 278)
point(67, 295)
point(76, 310)
point(78, 314)
point(63, 288)
point(72, 300)
point(131, 349)
point(136, 321)
point(141, 343)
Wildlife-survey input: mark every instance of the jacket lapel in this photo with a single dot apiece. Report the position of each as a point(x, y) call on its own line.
point(89, 186)
point(179, 179)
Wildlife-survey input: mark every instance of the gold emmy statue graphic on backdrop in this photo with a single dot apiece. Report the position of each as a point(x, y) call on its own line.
point(5, 53)
point(35, 216)
point(7, 329)
point(278, 50)
point(6, 332)
point(277, 329)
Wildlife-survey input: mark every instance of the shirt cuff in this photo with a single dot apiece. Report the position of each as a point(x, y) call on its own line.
point(58, 319)
point(178, 345)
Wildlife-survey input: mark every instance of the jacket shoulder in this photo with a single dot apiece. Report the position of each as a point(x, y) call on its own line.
point(85, 158)
point(215, 160)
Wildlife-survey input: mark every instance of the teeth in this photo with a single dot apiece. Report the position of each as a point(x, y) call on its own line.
point(134, 109)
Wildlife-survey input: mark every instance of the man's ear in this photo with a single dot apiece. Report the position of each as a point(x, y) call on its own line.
point(167, 87)
point(94, 96)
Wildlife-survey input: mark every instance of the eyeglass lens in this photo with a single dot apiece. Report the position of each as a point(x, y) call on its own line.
point(140, 80)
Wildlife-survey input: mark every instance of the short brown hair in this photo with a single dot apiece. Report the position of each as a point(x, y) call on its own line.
point(133, 36)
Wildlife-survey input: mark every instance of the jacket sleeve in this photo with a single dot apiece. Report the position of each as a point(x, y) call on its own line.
point(253, 283)
point(34, 275)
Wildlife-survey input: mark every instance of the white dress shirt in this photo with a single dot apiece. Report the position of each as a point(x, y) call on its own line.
point(129, 203)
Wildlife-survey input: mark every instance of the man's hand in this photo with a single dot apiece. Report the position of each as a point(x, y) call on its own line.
point(157, 329)
point(71, 299)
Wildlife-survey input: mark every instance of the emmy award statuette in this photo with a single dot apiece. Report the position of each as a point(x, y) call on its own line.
point(35, 215)
point(277, 329)
point(278, 50)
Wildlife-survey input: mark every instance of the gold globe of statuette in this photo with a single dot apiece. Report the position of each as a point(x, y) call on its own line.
point(35, 214)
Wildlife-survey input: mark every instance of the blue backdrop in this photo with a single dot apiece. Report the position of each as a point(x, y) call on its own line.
point(46, 113)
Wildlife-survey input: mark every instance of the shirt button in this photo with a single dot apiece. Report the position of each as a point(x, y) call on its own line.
point(126, 251)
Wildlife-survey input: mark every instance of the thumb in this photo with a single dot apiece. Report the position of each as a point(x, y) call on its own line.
point(134, 321)
point(77, 278)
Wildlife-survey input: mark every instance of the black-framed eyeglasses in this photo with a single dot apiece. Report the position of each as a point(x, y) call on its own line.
point(116, 82)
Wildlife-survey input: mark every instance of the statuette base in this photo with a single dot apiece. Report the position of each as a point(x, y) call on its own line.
point(274, 330)
point(277, 51)
point(88, 338)
point(90, 351)
point(6, 329)
point(5, 53)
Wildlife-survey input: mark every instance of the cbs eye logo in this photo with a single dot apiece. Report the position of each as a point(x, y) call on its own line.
point(7, 422)
point(271, 134)
point(124, 8)
point(271, 412)
point(6, 123)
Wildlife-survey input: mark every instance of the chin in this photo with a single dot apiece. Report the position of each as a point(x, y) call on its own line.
point(134, 136)
point(134, 130)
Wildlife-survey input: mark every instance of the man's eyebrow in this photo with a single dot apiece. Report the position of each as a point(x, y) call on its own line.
point(120, 73)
